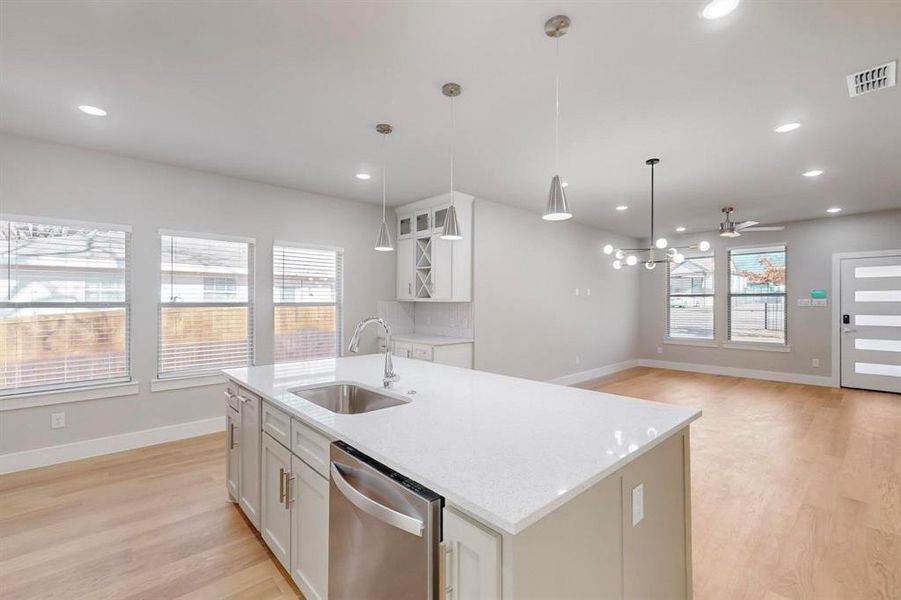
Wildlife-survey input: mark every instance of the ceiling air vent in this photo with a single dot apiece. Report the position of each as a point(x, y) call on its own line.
point(872, 79)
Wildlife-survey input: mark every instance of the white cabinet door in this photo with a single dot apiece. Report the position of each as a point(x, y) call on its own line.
point(405, 269)
point(403, 349)
point(232, 453)
point(276, 517)
point(309, 530)
point(249, 450)
point(473, 559)
point(442, 268)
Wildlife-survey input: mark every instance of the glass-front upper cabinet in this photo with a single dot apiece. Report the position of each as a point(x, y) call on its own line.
point(424, 222)
point(404, 227)
point(439, 215)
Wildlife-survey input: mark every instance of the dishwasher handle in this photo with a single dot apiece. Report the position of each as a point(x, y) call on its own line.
point(373, 508)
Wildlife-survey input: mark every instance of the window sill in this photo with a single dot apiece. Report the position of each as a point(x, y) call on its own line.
point(51, 397)
point(758, 346)
point(181, 383)
point(687, 342)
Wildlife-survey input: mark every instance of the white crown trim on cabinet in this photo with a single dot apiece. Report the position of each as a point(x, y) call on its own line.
point(51, 455)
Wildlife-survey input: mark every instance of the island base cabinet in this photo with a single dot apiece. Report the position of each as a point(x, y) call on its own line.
point(309, 530)
point(232, 458)
point(276, 506)
point(472, 556)
point(249, 451)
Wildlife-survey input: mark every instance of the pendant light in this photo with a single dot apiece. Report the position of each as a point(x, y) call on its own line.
point(451, 229)
point(657, 251)
point(557, 207)
point(383, 240)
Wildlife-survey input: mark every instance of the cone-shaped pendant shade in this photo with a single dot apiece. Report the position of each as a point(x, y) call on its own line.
point(451, 225)
point(557, 208)
point(383, 241)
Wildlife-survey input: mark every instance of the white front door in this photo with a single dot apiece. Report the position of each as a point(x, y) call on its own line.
point(871, 323)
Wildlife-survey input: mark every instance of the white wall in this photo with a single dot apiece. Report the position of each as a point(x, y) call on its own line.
point(50, 180)
point(811, 245)
point(527, 319)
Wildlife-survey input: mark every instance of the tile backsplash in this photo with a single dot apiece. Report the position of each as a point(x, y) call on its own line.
point(398, 314)
point(452, 319)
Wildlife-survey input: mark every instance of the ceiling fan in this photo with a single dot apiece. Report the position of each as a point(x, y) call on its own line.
point(731, 229)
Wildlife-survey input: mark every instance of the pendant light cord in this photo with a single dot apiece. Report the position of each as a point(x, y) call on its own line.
point(557, 108)
point(652, 204)
point(453, 140)
point(384, 174)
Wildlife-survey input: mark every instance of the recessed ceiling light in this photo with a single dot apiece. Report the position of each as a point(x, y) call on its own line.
point(786, 127)
point(92, 110)
point(622, 207)
point(812, 173)
point(719, 8)
point(364, 176)
point(680, 229)
point(833, 210)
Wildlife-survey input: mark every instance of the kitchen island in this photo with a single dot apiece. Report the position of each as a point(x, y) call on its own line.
point(550, 491)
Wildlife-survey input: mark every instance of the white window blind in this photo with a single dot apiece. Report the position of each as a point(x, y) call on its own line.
point(757, 308)
point(307, 294)
point(690, 290)
point(64, 305)
point(206, 305)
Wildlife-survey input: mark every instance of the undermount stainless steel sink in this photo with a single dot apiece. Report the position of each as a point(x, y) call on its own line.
point(346, 398)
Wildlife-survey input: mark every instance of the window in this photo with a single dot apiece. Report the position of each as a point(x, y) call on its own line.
point(64, 305)
point(690, 303)
point(307, 294)
point(206, 305)
point(757, 295)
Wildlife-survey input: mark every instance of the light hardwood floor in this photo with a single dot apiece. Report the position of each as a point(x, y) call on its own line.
point(796, 494)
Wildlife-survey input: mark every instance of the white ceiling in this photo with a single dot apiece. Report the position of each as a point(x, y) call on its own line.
point(289, 93)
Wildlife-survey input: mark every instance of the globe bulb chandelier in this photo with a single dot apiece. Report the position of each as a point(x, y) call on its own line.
point(659, 250)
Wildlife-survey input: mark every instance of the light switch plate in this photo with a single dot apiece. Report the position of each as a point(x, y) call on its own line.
point(803, 301)
point(58, 420)
point(637, 504)
point(820, 302)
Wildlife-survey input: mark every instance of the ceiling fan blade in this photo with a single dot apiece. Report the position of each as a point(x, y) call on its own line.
point(770, 228)
point(744, 224)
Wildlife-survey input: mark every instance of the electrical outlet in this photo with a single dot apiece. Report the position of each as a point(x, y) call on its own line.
point(578, 360)
point(637, 504)
point(57, 420)
point(576, 293)
point(587, 291)
point(815, 362)
point(659, 349)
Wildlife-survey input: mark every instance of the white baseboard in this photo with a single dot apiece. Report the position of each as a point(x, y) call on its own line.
point(574, 378)
point(51, 455)
point(779, 376)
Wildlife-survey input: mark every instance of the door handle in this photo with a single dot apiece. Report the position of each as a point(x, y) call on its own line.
point(289, 489)
point(373, 508)
point(243, 399)
point(444, 588)
point(231, 436)
point(848, 330)
point(281, 485)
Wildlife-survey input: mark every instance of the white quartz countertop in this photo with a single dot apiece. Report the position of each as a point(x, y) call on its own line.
point(506, 450)
point(428, 340)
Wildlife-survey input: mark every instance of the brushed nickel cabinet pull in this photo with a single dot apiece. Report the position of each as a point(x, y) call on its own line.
point(281, 485)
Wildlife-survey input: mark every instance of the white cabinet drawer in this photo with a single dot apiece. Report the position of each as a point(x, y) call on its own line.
point(310, 446)
point(231, 396)
point(422, 352)
point(277, 423)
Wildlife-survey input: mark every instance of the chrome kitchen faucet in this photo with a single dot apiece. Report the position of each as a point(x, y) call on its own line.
point(390, 376)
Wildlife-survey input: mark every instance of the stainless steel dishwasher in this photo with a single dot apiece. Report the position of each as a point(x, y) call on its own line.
point(384, 531)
